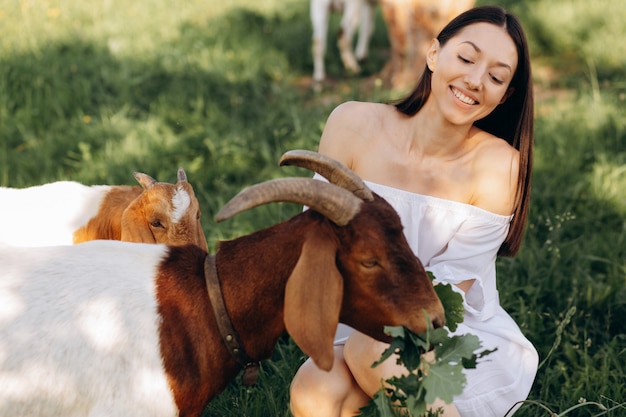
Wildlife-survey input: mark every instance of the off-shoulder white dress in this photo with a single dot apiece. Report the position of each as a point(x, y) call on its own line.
point(458, 242)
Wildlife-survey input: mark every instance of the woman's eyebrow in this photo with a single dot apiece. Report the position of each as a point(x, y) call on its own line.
point(499, 63)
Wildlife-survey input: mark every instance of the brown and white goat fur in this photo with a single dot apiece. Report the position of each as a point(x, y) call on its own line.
point(67, 212)
point(118, 329)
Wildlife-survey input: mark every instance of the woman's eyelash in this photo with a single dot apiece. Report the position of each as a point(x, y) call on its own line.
point(464, 59)
point(497, 80)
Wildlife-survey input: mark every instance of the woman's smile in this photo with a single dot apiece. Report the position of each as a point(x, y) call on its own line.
point(462, 97)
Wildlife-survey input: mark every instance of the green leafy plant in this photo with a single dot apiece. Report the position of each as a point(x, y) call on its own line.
point(430, 375)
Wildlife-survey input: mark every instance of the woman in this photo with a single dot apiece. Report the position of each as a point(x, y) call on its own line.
point(454, 158)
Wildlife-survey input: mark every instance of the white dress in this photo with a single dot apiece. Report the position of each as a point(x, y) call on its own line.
point(457, 242)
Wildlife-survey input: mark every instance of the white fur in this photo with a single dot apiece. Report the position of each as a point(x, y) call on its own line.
point(79, 333)
point(181, 202)
point(356, 14)
point(48, 214)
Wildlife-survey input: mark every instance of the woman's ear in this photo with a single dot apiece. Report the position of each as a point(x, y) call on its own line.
point(509, 93)
point(431, 54)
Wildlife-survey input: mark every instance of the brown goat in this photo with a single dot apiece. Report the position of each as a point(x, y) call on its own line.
point(344, 260)
point(162, 354)
point(158, 213)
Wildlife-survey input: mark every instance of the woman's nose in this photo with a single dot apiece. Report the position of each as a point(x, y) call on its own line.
point(472, 80)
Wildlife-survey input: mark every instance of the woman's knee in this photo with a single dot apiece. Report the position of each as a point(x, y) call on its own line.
point(304, 391)
point(308, 381)
point(315, 392)
point(361, 352)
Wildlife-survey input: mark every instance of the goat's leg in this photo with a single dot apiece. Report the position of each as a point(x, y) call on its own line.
point(348, 25)
point(366, 30)
point(320, 10)
point(398, 15)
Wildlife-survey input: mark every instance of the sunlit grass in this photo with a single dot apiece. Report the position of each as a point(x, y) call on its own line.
point(127, 27)
point(608, 182)
point(580, 33)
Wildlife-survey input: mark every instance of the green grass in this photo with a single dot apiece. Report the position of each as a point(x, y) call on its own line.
point(94, 91)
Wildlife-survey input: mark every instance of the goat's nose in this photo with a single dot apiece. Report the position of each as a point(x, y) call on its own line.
point(439, 321)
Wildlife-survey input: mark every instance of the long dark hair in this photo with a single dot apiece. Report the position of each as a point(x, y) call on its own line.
point(511, 120)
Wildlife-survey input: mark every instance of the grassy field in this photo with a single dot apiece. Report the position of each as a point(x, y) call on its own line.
point(92, 91)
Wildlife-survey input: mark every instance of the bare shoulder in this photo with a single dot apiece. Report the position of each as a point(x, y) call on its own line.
point(352, 126)
point(494, 152)
point(496, 168)
point(354, 114)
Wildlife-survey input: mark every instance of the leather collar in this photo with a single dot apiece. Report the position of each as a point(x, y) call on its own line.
point(229, 335)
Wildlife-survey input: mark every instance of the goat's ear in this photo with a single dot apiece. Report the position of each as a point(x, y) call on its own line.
point(313, 298)
point(145, 180)
point(135, 227)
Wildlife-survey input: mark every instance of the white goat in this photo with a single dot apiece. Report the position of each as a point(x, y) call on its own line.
point(47, 214)
point(356, 14)
point(109, 328)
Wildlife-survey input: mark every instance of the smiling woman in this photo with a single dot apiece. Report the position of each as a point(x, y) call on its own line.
point(477, 76)
point(454, 159)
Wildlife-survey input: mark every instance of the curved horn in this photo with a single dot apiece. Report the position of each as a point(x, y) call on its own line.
point(182, 177)
point(145, 180)
point(334, 202)
point(334, 171)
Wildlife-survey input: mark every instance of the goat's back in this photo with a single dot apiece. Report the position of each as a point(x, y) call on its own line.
point(79, 331)
point(48, 214)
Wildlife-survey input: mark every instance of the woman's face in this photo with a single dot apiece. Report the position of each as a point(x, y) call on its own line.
point(472, 72)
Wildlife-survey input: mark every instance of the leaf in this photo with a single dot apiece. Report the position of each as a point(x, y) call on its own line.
point(417, 404)
point(452, 303)
point(438, 337)
point(406, 385)
point(396, 345)
point(414, 347)
point(426, 381)
point(383, 404)
point(380, 403)
point(443, 380)
point(470, 363)
point(456, 348)
point(407, 345)
point(395, 331)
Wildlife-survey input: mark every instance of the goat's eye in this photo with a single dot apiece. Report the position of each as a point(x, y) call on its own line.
point(370, 263)
point(198, 215)
point(157, 224)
